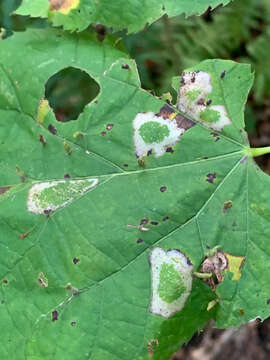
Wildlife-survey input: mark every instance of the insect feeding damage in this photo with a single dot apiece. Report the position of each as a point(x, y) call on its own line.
point(193, 100)
point(158, 132)
point(218, 261)
point(63, 6)
point(49, 196)
point(171, 281)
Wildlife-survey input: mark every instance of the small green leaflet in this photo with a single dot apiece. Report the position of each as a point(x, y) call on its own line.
point(121, 14)
point(77, 250)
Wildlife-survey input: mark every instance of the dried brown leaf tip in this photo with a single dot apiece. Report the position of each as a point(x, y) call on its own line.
point(63, 6)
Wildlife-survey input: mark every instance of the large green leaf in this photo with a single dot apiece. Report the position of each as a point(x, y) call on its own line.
point(82, 215)
point(131, 15)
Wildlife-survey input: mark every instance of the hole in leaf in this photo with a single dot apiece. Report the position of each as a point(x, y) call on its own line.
point(69, 91)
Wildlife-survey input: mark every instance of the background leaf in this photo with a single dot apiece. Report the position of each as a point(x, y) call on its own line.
point(132, 16)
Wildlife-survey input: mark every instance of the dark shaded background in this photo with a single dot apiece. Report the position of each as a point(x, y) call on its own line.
point(240, 32)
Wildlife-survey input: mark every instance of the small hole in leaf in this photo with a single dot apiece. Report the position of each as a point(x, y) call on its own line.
point(69, 91)
point(73, 323)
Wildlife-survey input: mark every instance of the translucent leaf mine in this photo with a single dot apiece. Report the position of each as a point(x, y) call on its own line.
point(171, 281)
point(194, 100)
point(157, 132)
point(52, 195)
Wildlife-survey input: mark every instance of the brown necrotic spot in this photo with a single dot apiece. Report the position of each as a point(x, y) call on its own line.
point(227, 205)
point(215, 135)
point(211, 177)
point(200, 101)
point(183, 122)
point(144, 221)
point(52, 129)
point(101, 32)
point(109, 126)
point(223, 74)
point(75, 260)
point(125, 66)
point(4, 189)
point(69, 91)
point(24, 235)
point(103, 133)
point(170, 150)
point(42, 140)
point(54, 315)
point(163, 188)
point(5, 281)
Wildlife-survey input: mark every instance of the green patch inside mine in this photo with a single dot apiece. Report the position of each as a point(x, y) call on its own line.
point(62, 192)
point(171, 285)
point(153, 132)
point(209, 115)
point(192, 95)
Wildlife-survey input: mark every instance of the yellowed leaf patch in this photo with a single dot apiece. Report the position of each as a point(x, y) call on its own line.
point(234, 265)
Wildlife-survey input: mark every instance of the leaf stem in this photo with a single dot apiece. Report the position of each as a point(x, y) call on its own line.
point(254, 152)
point(202, 275)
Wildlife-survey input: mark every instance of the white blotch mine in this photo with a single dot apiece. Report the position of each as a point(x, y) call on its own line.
point(167, 134)
point(52, 195)
point(171, 281)
point(195, 87)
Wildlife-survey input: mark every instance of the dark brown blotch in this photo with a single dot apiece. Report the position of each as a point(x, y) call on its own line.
point(101, 32)
point(215, 135)
point(183, 122)
point(54, 315)
point(109, 126)
point(42, 140)
point(201, 102)
point(222, 75)
point(211, 177)
point(52, 129)
point(170, 150)
point(227, 205)
point(165, 111)
point(103, 133)
point(163, 188)
point(144, 221)
point(4, 189)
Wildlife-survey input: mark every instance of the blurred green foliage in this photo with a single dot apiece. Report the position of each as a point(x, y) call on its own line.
point(239, 31)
